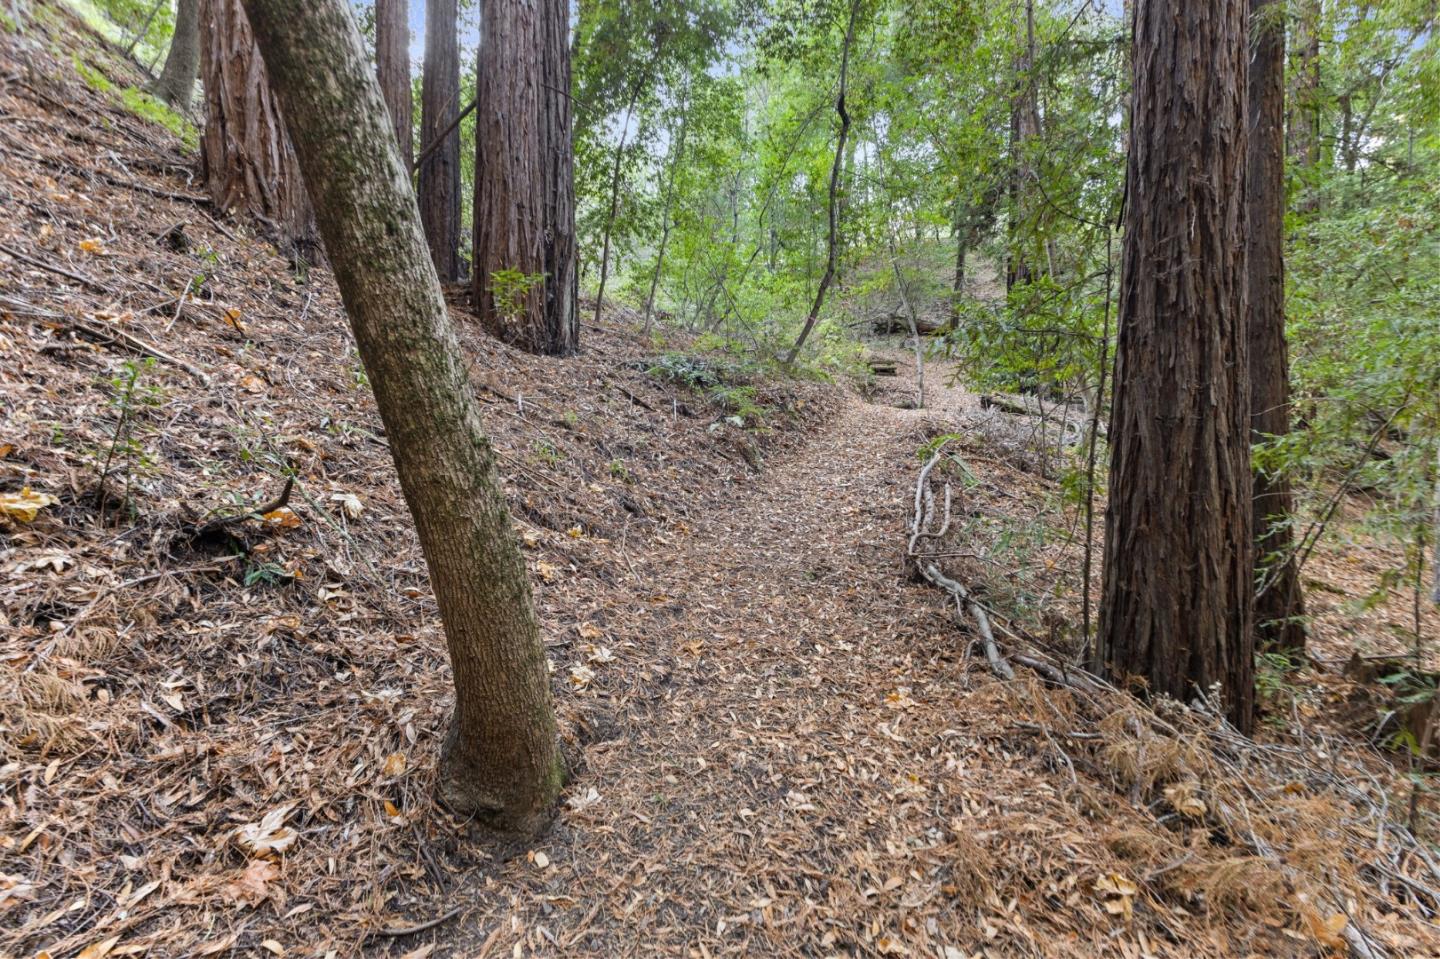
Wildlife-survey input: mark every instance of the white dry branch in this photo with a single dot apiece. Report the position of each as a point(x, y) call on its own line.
point(920, 529)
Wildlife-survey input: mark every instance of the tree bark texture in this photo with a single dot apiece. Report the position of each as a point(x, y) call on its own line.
point(524, 173)
point(245, 153)
point(1177, 611)
point(176, 85)
point(500, 760)
point(440, 170)
point(833, 242)
point(1303, 122)
point(1024, 131)
point(392, 69)
point(1279, 601)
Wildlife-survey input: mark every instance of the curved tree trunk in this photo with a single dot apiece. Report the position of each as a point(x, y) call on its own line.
point(524, 174)
point(440, 170)
point(500, 760)
point(614, 209)
point(1177, 610)
point(176, 85)
point(1279, 601)
point(392, 70)
point(665, 223)
point(246, 156)
point(833, 242)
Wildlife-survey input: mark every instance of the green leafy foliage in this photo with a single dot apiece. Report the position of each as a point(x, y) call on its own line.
point(511, 288)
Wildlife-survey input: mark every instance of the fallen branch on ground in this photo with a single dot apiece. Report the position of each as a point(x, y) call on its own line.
point(920, 529)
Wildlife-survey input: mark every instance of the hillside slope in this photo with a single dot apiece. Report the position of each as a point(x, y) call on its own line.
point(781, 745)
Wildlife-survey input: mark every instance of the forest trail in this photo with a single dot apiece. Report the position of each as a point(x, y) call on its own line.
point(806, 770)
point(780, 745)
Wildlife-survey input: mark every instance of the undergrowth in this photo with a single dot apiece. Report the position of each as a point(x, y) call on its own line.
point(140, 103)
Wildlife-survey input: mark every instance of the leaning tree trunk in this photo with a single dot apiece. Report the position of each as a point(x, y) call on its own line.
point(500, 760)
point(392, 69)
point(833, 240)
point(1176, 617)
point(245, 153)
point(524, 177)
point(1279, 601)
point(440, 169)
point(676, 156)
point(176, 85)
point(616, 174)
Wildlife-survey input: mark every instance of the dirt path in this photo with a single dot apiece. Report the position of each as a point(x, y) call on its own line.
point(787, 779)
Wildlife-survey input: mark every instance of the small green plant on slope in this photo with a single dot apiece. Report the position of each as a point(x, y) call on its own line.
point(140, 103)
point(739, 401)
point(130, 395)
point(509, 290)
point(546, 452)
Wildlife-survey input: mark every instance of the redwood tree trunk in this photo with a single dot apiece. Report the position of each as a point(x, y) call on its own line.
point(1303, 122)
point(440, 171)
point(500, 760)
point(245, 153)
point(1024, 130)
point(524, 174)
point(1176, 614)
point(392, 69)
point(176, 85)
point(1279, 601)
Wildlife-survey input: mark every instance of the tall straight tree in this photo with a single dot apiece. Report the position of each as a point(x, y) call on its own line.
point(1303, 122)
point(176, 85)
point(1279, 601)
point(440, 169)
point(1176, 614)
point(392, 69)
point(526, 286)
point(1024, 131)
point(245, 153)
point(500, 760)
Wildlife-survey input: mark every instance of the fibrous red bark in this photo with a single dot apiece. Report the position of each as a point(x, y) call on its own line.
point(524, 177)
point(1279, 602)
point(246, 157)
point(439, 184)
point(1176, 617)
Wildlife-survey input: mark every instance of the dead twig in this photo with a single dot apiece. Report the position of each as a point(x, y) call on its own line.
point(120, 337)
point(83, 280)
point(396, 931)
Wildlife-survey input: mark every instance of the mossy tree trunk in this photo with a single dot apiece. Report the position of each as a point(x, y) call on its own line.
point(1179, 575)
point(500, 760)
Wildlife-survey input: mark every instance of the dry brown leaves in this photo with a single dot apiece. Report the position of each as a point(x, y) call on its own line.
point(225, 742)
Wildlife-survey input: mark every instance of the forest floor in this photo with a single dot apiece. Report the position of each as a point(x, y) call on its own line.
point(781, 743)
